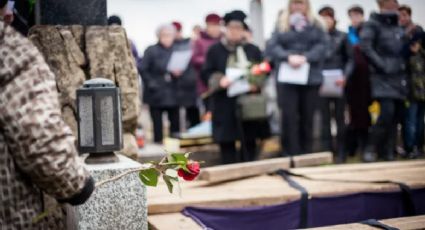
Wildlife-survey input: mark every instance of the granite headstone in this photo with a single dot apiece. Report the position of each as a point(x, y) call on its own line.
point(75, 12)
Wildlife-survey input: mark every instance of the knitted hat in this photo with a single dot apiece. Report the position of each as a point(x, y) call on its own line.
point(212, 19)
point(177, 25)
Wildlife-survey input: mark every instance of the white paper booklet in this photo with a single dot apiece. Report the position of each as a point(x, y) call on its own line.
point(297, 76)
point(179, 60)
point(329, 86)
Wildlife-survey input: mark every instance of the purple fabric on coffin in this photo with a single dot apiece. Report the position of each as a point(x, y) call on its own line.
point(321, 212)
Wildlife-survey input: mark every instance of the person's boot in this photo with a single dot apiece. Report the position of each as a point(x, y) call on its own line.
point(414, 153)
point(420, 152)
point(341, 157)
point(403, 152)
point(390, 156)
point(389, 153)
point(363, 137)
point(373, 144)
point(352, 139)
point(369, 155)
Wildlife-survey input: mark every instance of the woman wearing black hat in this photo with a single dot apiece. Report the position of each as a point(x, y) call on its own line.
point(227, 125)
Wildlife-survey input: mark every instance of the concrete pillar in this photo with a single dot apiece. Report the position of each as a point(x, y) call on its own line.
point(117, 205)
point(257, 22)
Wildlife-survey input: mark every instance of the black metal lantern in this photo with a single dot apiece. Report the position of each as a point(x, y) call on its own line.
point(99, 120)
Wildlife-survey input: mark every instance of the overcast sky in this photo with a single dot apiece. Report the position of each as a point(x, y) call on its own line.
point(141, 17)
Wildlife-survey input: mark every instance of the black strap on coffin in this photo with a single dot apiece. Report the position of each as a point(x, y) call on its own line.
point(377, 224)
point(303, 200)
point(406, 192)
point(291, 162)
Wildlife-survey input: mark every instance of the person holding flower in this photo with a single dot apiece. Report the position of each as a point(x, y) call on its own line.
point(233, 52)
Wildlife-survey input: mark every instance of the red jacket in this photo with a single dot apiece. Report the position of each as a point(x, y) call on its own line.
point(200, 48)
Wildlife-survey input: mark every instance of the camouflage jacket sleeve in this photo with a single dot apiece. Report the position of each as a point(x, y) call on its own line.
point(41, 143)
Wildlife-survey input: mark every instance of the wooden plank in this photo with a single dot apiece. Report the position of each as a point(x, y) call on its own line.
point(404, 223)
point(241, 170)
point(416, 222)
point(269, 190)
point(332, 169)
point(172, 221)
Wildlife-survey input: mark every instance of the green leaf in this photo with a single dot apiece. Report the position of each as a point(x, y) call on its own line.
point(179, 158)
point(169, 181)
point(149, 177)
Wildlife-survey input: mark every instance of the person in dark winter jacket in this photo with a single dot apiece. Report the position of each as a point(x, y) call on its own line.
point(300, 38)
point(382, 41)
point(227, 126)
point(336, 58)
point(412, 128)
point(187, 94)
point(414, 120)
point(210, 36)
point(160, 85)
point(357, 89)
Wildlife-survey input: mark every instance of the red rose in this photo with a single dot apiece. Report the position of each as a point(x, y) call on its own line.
point(194, 169)
point(255, 70)
point(265, 67)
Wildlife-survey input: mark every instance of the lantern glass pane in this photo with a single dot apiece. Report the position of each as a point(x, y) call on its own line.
point(107, 120)
point(86, 121)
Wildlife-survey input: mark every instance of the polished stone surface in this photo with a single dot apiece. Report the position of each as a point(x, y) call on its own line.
point(117, 205)
point(75, 12)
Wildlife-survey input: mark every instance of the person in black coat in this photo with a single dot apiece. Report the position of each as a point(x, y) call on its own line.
point(413, 125)
point(415, 112)
point(160, 85)
point(300, 38)
point(382, 41)
point(357, 89)
point(227, 127)
point(187, 91)
point(337, 58)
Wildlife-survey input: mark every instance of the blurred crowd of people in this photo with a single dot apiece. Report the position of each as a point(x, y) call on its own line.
point(380, 65)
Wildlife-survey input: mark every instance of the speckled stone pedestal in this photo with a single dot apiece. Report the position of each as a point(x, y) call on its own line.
point(117, 205)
